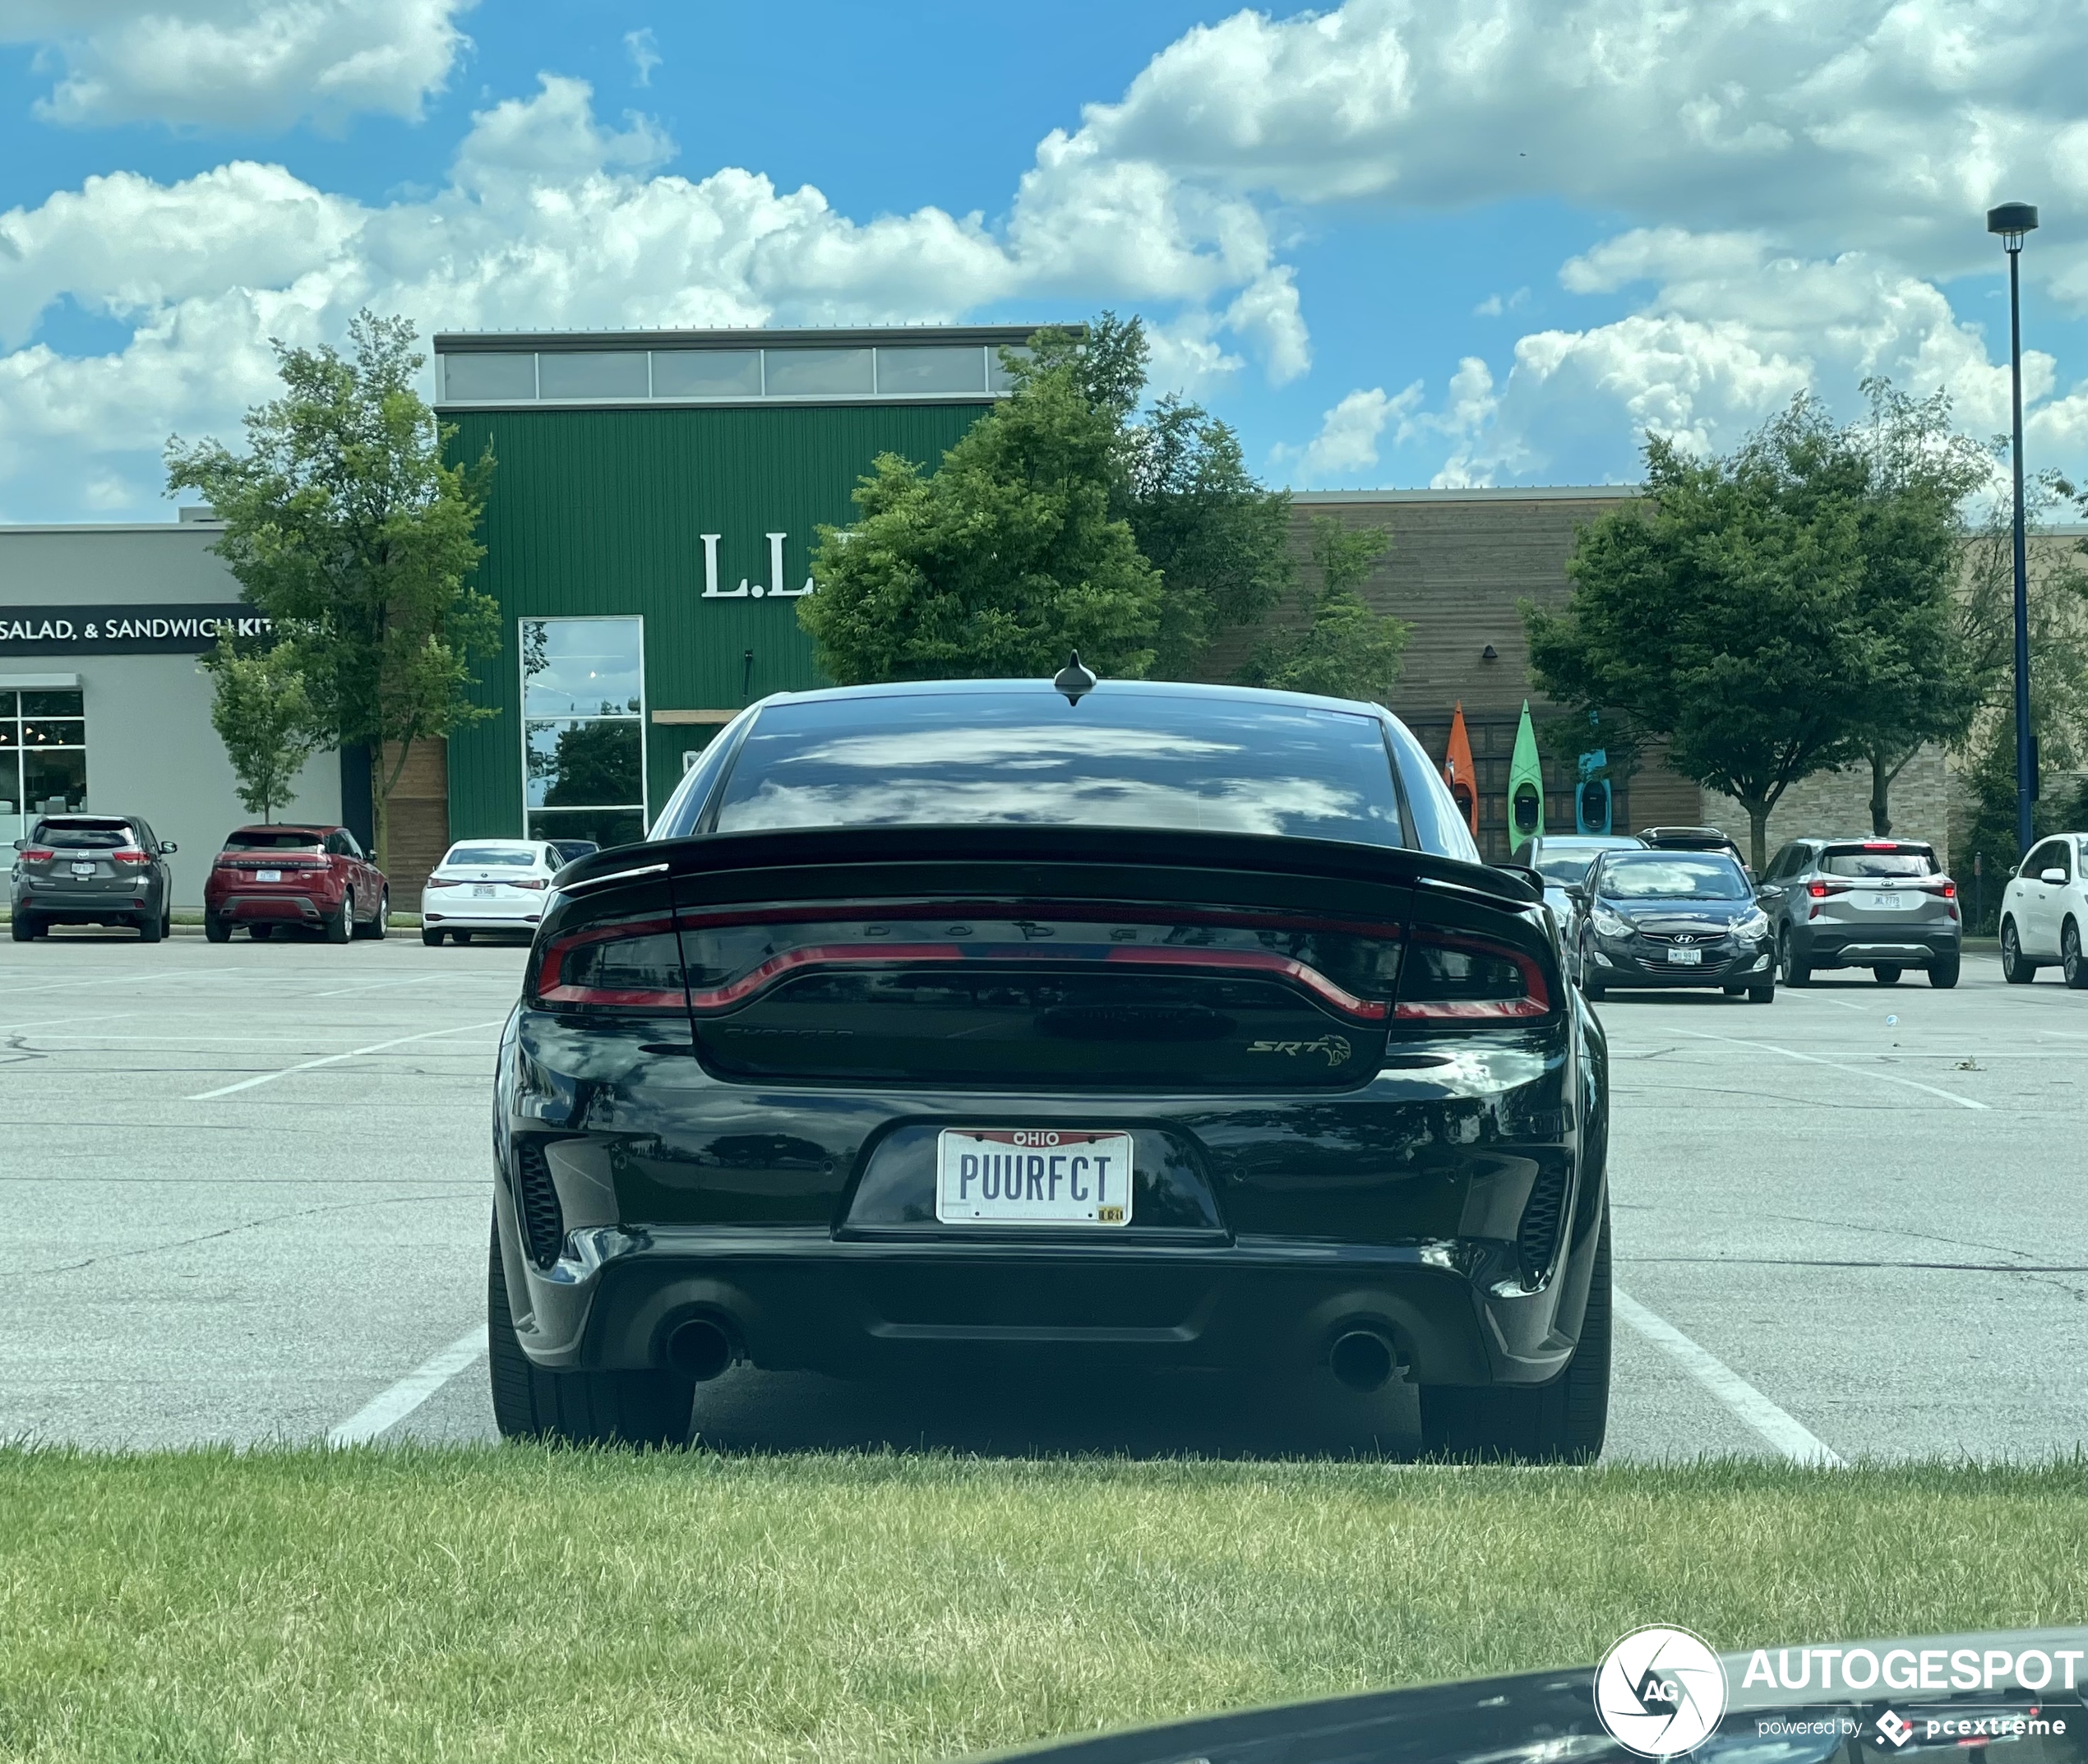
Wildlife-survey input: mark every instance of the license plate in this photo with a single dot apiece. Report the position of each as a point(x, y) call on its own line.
point(485, 893)
point(268, 875)
point(1032, 1175)
point(83, 870)
point(1686, 957)
point(1885, 902)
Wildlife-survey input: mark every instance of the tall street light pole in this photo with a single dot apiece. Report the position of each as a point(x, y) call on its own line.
point(2011, 220)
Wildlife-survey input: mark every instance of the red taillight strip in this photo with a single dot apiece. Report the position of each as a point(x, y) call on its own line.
point(888, 955)
point(552, 992)
point(1535, 1002)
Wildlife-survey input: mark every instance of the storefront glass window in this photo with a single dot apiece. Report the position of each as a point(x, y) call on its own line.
point(583, 729)
point(43, 757)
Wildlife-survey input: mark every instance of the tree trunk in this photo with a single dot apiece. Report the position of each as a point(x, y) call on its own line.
point(1757, 823)
point(1880, 791)
point(380, 815)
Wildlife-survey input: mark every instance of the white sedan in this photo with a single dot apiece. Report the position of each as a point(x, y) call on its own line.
point(2045, 911)
point(487, 886)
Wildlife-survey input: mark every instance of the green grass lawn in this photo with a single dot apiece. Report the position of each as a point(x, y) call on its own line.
point(516, 1604)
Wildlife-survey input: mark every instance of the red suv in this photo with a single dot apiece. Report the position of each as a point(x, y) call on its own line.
point(316, 877)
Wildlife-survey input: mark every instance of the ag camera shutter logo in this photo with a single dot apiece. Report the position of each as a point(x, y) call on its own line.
point(1661, 1692)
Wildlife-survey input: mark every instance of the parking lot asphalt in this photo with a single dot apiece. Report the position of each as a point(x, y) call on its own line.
point(246, 1189)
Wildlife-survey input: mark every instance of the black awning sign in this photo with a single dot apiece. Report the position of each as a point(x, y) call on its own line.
point(124, 630)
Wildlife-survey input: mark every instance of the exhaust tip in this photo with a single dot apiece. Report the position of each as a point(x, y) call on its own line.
point(700, 1349)
point(1362, 1359)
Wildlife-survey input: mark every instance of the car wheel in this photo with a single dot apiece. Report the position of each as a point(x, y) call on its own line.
point(1563, 1422)
point(1734, 992)
point(2070, 962)
point(1763, 992)
point(217, 928)
point(462, 937)
point(578, 1408)
point(341, 926)
point(151, 928)
point(433, 939)
point(375, 927)
point(1887, 976)
point(1796, 973)
point(1942, 972)
point(260, 933)
point(23, 927)
point(2014, 969)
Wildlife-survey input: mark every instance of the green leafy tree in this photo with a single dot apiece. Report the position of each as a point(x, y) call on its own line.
point(1937, 649)
point(1001, 563)
point(263, 715)
point(1060, 521)
point(1341, 649)
point(344, 526)
point(1724, 615)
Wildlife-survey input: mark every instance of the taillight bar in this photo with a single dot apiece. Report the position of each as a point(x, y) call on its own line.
point(888, 955)
point(37, 854)
point(1535, 1000)
point(551, 990)
point(132, 857)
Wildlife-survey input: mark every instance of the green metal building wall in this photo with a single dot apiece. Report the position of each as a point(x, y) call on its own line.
point(600, 512)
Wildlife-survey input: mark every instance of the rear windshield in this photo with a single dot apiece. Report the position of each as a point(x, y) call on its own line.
point(1859, 862)
point(273, 839)
point(1118, 758)
point(1673, 875)
point(492, 857)
point(86, 836)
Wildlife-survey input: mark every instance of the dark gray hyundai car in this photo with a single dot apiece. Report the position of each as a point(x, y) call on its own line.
point(965, 1029)
point(91, 870)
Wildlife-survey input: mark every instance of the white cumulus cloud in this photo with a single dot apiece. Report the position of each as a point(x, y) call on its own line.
point(243, 64)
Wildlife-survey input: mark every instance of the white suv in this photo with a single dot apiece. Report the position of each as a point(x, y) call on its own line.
point(2045, 911)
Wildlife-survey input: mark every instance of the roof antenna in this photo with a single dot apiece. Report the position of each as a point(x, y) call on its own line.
point(1073, 680)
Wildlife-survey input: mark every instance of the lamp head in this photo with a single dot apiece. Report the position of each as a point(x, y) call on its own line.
point(2011, 220)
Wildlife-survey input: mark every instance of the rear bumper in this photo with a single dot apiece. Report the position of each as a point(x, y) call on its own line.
point(298, 908)
point(480, 916)
point(803, 1299)
point(104, 902)
point(1859, 946)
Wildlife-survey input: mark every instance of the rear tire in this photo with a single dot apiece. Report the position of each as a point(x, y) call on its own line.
point(433, 939)
point(462, 937)
point(151, 928)
point(1563, 1422)
point(260, 933)
point(2014, 969)
point(576, 1408)
point(1887, 976)
point(1942, 972)
point(23, 927)
point(341, 926)
point(2070, 964)
point(217, 928)
point(1796, 973)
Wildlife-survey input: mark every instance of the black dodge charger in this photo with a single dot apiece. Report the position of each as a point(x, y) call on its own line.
point(970, 1027)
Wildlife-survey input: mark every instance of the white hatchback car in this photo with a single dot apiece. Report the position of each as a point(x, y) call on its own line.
point(2045, 911)
point(487, 886)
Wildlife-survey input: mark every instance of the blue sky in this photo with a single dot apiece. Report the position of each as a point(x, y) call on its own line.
point(1396, 242)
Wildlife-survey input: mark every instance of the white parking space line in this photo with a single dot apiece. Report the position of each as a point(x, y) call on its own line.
point(330, 1060)
point(1781, 1430)
point(1814, 1059)
point(1819, 998)
point(392, 1406)
point(415, 980)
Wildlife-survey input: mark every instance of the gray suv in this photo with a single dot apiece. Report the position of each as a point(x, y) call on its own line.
point(91, 870)
point(1882, 904)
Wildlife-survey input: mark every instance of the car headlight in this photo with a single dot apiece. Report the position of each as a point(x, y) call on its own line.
point(1754, 925)
point(1608, 924)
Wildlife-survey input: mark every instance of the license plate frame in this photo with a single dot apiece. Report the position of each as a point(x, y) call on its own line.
point(1050, 1169)
point(482, 891)
point(83, 870)
point(1685, 957)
